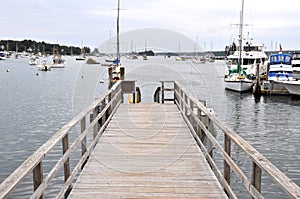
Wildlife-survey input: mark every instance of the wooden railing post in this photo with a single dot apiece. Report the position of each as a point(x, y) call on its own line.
point(110, 108)
point(174, 85)
point(192, 121)
point(181, 99)
point(175, 90)
point(199, 130)
point(96, 126)
point(227, 149)
point(256, 176)
point(209, 142)
point(162, 92)
point(38, 177)
point(186, 104)
point(83, 142)
point(104, 115)
point(65, 144)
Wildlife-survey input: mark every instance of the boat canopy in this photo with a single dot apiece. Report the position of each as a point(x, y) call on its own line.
point(280, 59)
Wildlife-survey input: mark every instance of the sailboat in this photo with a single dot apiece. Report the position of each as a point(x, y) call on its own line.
point(116, 71)
point(81, 57)
point(236, 80)
point(145, 54)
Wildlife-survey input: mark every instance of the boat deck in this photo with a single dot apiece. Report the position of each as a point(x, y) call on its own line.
point(147, 151)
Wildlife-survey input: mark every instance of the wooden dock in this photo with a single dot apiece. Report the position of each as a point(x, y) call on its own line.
point(147, 151)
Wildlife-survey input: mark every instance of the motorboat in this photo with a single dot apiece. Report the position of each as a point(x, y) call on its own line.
point(293, 87)
point(280, 68)
point(110, 59)
point(58, 62)
point(296, 65)
point(145, 57)
point(32, 60)
point(279, 72)
point(2, 55)
point(199, 60)
point(179, 58)
point(80, 58)
point(42, 66)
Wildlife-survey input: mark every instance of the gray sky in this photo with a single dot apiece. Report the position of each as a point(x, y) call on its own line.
point(70, 22)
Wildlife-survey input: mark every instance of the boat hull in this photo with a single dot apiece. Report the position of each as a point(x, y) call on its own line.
point(57, 65)
point(238, 86)
point(293, 87)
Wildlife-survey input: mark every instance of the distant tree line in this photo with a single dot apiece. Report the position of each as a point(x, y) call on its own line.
point(32, 46)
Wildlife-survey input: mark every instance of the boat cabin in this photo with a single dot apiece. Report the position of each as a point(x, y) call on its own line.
point(296, 56)
point(280, 67)
point(296, 59)
point(280, 59)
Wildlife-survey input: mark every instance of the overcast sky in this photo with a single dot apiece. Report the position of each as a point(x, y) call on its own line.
point(92, 22)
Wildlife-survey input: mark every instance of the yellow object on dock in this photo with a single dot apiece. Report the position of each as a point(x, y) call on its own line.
point(130, 98)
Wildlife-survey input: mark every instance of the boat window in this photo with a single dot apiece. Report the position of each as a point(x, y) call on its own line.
point(248, 61)
point(281, 58)
point(234, 61)
point(296, 56)
point(273, 58)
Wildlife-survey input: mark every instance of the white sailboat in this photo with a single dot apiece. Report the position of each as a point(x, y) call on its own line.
point(237, 80)
point(82, 56)
point(116, 67)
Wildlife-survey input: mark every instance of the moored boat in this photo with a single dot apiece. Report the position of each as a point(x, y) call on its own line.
point(279, 71)
point(293, 87)
point(179, 58)
point(80, 58)
point(236, 78)
point(240, 84)
point(32, 60)
point(58, 62)
point(280, 68)
point(2, 55)
point(42, 66)
point(296, 65)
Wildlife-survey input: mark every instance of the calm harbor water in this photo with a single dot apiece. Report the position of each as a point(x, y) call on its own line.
point(34, 106)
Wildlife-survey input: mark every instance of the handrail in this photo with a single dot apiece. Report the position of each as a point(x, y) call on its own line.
point(109, 101)
point(194, 112)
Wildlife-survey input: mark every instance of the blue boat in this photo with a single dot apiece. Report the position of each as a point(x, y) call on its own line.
point(280, 68)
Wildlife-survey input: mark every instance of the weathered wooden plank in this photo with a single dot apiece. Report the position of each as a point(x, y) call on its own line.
point(147, 151)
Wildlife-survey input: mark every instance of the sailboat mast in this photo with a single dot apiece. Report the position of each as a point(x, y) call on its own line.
point(118, 39)
point(241, 37)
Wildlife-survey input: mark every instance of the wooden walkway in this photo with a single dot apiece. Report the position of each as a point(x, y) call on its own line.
point(147, 151)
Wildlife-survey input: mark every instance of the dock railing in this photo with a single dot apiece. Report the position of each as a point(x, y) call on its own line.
point(101, 110)
point(198, 118)
point(200, 121)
